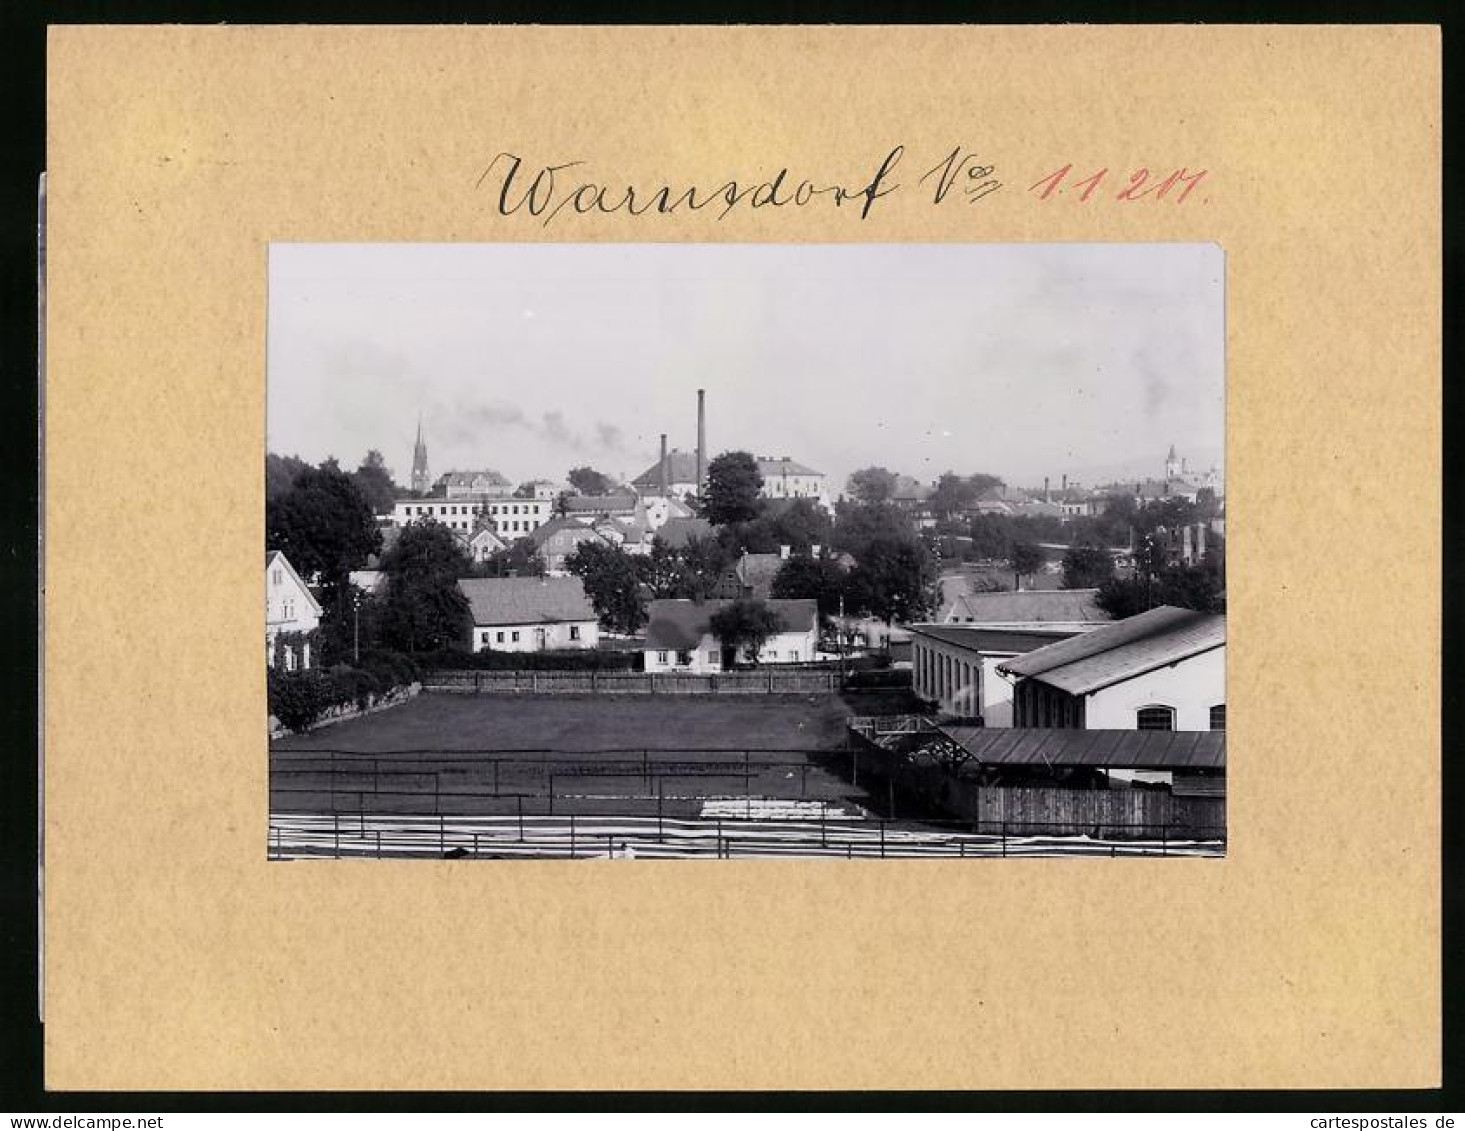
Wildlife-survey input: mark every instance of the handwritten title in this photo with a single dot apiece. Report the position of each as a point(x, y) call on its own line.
point(546, 192)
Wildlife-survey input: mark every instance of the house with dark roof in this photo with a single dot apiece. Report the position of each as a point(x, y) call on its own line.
point(751, 576)
point(473, 484)
point(677, 532)
point(600, 506)
point(679, 635)
point(1161, 670)
point(681, 476)
point(558, 538)
point(529, 614)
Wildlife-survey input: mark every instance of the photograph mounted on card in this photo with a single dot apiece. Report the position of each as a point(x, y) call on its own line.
point(983, 618)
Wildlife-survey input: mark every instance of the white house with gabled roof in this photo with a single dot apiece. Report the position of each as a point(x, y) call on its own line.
point(530, 614)
point(290, 609)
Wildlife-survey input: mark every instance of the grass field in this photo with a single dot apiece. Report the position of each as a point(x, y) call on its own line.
point(555, 755)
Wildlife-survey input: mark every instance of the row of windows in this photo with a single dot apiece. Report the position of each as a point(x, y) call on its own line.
point(445, 509)
point(1160, 717)
point(513, 635)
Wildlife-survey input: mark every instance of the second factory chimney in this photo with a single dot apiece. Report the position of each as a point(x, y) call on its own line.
point(662, 473)
point(701, 440)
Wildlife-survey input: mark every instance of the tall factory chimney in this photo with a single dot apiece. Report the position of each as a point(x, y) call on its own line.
point(665, 486)
point(1047, 495)
point(701, 439)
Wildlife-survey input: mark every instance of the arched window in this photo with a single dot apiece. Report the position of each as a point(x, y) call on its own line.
point(1155, 718)
point(1218, 717)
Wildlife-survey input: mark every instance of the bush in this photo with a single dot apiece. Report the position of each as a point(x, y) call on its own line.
point(299, 698)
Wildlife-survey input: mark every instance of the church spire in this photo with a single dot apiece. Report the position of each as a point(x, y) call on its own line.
point(421, 478)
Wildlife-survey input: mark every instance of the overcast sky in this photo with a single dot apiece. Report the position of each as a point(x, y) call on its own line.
point(1022, 360)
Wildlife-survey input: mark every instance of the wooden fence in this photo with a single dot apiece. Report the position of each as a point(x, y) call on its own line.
point(1031, 810)
point(768, 681)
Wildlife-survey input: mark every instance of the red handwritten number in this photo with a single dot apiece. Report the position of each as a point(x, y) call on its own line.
point(1190, 182)
point(1135, 180)
point(1052, 180)
point(1092, 183)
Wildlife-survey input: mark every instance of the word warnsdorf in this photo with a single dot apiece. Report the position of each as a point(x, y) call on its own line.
point(547, 191)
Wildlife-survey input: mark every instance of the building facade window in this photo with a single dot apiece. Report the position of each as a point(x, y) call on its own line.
point(712, 658)
point(1218, 717)
point(661, 657)
point(500, 637)
point(574, 632)
point(1155, 718)
point(514, 636)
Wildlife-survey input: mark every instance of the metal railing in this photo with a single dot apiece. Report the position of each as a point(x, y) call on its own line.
point(611, 836)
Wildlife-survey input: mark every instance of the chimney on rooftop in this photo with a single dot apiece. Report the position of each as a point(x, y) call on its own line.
point(1065, 483)
point(1047, 495)
point(701, 438)
point(665, 487)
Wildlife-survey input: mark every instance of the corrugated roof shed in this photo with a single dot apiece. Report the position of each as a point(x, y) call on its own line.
point(680, 624)
point(1110, 749)
point(1123, 649)
point(526, 600)
point(1035, 605)
point(978, 639)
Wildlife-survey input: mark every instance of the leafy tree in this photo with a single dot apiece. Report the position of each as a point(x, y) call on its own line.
point(799, 524)
point(856, 525)
point(588, 481)
point(660, 570)
point(703, 562)
point(1086, 567)
point(519, 559)
point(991, 536)
point(743, 627)
point(1200, 587)
point(1025, 558)
point(374, 479)
point(872, 485)
point(819, 579)
point(424, 610)
point(280, 474)
point(612, 583)
point(953, 495)
point(893, 579)
point(324, 525)
point(733, 483)
point(524, 491)
point(981, 481)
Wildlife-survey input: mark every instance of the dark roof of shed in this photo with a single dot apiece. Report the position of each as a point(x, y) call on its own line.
point(975, 638)
point(681, 624)
point(1112, 749)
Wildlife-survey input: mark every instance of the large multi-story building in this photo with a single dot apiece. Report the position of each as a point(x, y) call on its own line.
point(786, 478)
point(512, 518)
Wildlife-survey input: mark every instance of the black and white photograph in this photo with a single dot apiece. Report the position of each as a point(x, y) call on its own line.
point(745, 551)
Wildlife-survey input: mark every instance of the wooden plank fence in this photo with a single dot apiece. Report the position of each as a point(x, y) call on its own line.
point(767, 681)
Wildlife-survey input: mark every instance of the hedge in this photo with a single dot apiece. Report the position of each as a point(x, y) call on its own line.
point(575, 660)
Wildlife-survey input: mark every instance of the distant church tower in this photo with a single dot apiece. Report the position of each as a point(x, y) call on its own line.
point(1173, 465)
point(421, 479)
